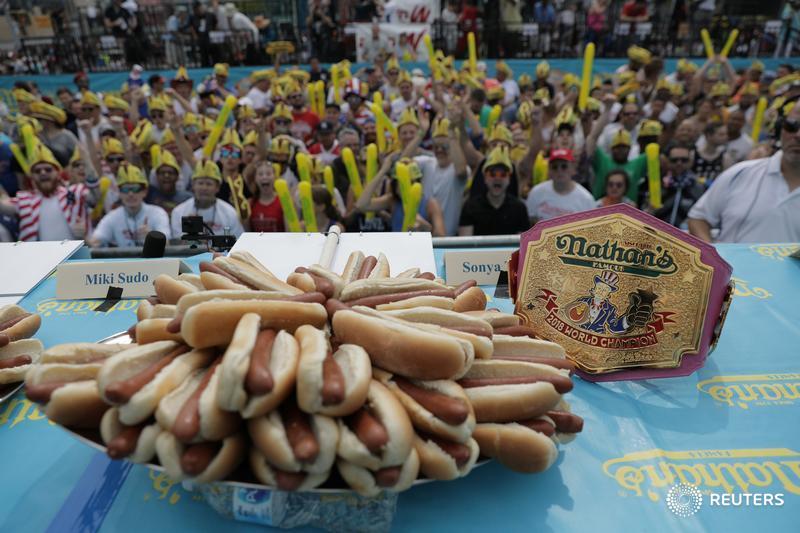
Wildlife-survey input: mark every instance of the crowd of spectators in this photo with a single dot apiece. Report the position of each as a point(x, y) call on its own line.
point(493, 154)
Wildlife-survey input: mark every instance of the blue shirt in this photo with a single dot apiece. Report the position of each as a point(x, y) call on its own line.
point(8, 180)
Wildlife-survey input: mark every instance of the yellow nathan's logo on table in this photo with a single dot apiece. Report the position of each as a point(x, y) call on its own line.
point(651, 473)
point(758, 390)
point(743, 289)
point(52, 306)
point(775, 251)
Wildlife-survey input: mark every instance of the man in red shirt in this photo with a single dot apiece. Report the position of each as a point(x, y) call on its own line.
point(327, 148)
point(304, 122)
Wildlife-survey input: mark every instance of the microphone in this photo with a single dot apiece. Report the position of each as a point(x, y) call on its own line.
point(154, 244)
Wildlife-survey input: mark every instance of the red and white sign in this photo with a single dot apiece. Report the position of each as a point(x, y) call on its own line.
point(411, 11)
point(405, 41)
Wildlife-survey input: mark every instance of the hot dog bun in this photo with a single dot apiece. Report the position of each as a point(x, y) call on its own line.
point(353, 363)
point(385, 409)
point(439, 394)
point(439, 302)
point(269, 435)
point(211, 424)
point(410, 273)
point(169, 290)
point(134, 444)
point(363, 480)
point(352, 267)
point(213, 281)
point(81, 353)
point(171, 453)
point(506, 345)
point(253, 276)
point(436, 463)
point(495, 318)
point(16, 323)
point(213, 323)
point(12, 354)
point(472, 299)
point(519, 448)
point(232, 391)
point(269, 475)
point(152, 330)
point(132, 362)
point(375, 287)
point(507, 402)
point(403, 347)
point(381, 269)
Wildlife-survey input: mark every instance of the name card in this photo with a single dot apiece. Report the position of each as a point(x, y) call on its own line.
point(91, 279)
point(482, 266)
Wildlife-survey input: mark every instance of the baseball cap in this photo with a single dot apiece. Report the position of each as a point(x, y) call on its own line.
point(562, 154)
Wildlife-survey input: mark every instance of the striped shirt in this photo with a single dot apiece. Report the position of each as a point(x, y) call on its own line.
point(71, 199)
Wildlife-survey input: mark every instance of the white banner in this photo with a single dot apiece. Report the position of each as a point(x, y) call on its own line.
point(411, 11)
point(405, 41)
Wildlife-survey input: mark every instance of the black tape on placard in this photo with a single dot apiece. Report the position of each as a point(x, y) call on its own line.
point(501, 290)
point(113, 295)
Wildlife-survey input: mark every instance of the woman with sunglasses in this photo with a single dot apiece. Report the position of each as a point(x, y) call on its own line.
point(233, 188)
point(617, 183)
point(129, 224)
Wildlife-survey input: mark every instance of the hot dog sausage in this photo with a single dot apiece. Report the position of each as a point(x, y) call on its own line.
point(366, 266)
point(197, 457)
point(288, 480)
point(387, 477)
point(121, 391)
point(516, 331)
point(373, 301)
point(4, 340)
point(207, 266)
point(187, 423)
point(561, 383)
point(321, 284)
point(470, 329)
point(12, 362)
point(566, 422)
point(369, 430)
point(451, 410)
point(426, 275)
point(124, 443)
point(333, 385)
point(464, 286)
point(459, 452)
point(556, 363)
point(14, 321)
point(41, 393)
point(540, 425)
point(259, 379)
point(305, 446)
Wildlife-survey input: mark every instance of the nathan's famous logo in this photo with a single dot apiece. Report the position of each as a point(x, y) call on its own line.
point(757, 390)
point(19, 409)
point(613, 256)
point(652, 472)
point(81, 307)
point(594, 315)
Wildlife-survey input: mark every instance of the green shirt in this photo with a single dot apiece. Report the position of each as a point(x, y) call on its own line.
point(484, 118)
point(603, 163)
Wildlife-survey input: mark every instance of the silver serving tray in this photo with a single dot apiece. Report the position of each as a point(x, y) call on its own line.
point(93, 441)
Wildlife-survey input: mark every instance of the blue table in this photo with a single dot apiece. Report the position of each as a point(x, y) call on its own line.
point(732, 428)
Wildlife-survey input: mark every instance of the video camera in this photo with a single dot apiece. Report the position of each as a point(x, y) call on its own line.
point(196, 230)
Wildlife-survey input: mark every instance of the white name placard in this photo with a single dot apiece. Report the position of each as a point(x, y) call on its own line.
point(484, 266)
point(91, 279)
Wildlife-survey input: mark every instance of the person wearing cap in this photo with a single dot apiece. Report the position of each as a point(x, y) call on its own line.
point(180, 89)
point(542, 76)
point(444, 175)
point(118, 111)
point(407, 98)
point(157, 111)
point(347, 137)
point(619, 155)
point(304, 121)
point(506, 78)
point(497, 211)
point(217, 214)
point(50, 210)
point(650, 132)
point(559, 195)
point(233, 189)
point(746, 103)
point(638, 57)
point(218, 82)
point(327, 148)
point(250, 144)
point(429, 213)
point(354, 107)
point(259, 90)
point(756, 200)
point(390, 89)
point(129, 224)
point(90, 110)
point(628, 120)
point(165, 193)
point(60, 141)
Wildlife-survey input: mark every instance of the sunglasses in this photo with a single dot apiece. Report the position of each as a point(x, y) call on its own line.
point(189, 129)
point(88, 109)
point(791, 126)
point(559, 166)
point(393, 72)
point(679, 160)
point(128, 189)
point(630, 113)
point(282, 121)
point(225, 152)
point(156, 114)
point(115, 159)
point(45, 169)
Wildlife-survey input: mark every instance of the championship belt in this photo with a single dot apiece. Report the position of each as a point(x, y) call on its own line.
point(238, 199)
point(627, 295)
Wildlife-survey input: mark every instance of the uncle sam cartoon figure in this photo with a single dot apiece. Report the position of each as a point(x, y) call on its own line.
point(597, 314)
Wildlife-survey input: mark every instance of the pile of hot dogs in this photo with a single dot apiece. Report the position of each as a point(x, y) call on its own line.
point(17, 350)
point(358, 378)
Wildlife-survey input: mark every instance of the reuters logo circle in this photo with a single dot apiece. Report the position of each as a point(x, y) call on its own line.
point(684, 500)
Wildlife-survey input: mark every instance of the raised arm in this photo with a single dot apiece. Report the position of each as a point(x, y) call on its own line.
point(600, 124)
point(180, 139)
point(536, 143)
point(472, 156)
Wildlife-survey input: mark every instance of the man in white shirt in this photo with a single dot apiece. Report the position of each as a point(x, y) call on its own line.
point(739, 144)
point(755, 201)
point(444, 176)
point(259, 91)
point(629, 117)
point(129, 224)
point(217, 214)
point(241, 22)
point(559, 195)
point(506, 78)
point(406, 96)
